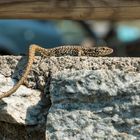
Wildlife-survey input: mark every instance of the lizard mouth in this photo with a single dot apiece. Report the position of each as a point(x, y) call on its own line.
point(107, 51)
point(110, 50)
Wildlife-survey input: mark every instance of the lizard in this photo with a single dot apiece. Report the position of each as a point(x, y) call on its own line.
point(58, 51)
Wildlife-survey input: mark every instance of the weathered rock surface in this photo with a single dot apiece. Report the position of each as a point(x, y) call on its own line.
point(91, 98)
point(94, 104)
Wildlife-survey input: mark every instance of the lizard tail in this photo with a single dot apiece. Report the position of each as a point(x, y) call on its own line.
point(31, 58)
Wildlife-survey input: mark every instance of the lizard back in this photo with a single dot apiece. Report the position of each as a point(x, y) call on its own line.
point(76, 51)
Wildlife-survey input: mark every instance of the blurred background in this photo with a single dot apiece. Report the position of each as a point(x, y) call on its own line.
point(17, 35)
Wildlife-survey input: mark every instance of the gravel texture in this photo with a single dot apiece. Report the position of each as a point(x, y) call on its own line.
point(71, 98)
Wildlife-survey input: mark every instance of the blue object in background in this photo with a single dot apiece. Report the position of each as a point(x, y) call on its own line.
point(128, 33)
point(17, 35)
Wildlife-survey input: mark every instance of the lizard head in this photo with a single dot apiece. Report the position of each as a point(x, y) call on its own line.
point(103, 51)
point(96, 51)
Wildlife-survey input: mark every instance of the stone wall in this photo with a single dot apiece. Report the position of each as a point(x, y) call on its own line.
point(71, 98)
